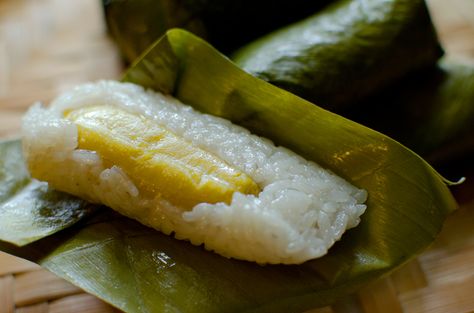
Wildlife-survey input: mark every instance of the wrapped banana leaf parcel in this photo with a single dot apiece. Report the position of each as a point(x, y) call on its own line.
point(226, 24)
point(96, 142)
point(335, 54)
point(346, 52)
point(431, 112)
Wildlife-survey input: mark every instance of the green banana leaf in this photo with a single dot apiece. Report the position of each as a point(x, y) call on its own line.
point(345, 52)
point(29, 210)
point(227, 24)
point(432, 112)
point(138, 269)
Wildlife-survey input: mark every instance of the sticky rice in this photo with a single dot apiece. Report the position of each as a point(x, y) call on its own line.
point(298, 212)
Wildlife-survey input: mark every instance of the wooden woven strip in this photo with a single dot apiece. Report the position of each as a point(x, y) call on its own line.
point(349, 304)
point(38, 286)
point(6, 294)
point(455, 297)
point(11, 265)
point(410, 277)
point(36, 308)
point(27, 288)
point(449, 268)
point(82, 303)
point(381, 296)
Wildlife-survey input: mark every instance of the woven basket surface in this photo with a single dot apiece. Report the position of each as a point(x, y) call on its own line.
point(47, 46)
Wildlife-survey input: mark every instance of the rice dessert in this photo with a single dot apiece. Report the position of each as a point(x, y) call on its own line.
point(154, 159)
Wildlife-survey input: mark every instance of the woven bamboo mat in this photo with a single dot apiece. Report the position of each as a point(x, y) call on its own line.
point(49, 45)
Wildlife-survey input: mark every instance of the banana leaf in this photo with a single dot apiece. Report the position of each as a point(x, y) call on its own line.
point(138, 269)
point(29, 210)
point(345, 52)
point(431, 112)
point(227, 24)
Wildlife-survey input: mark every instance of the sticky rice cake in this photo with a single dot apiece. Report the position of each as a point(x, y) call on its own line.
point(200, 177)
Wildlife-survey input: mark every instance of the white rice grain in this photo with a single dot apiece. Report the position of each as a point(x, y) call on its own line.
point(300, 212)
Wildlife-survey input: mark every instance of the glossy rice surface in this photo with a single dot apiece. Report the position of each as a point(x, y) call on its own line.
point(295, 214)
